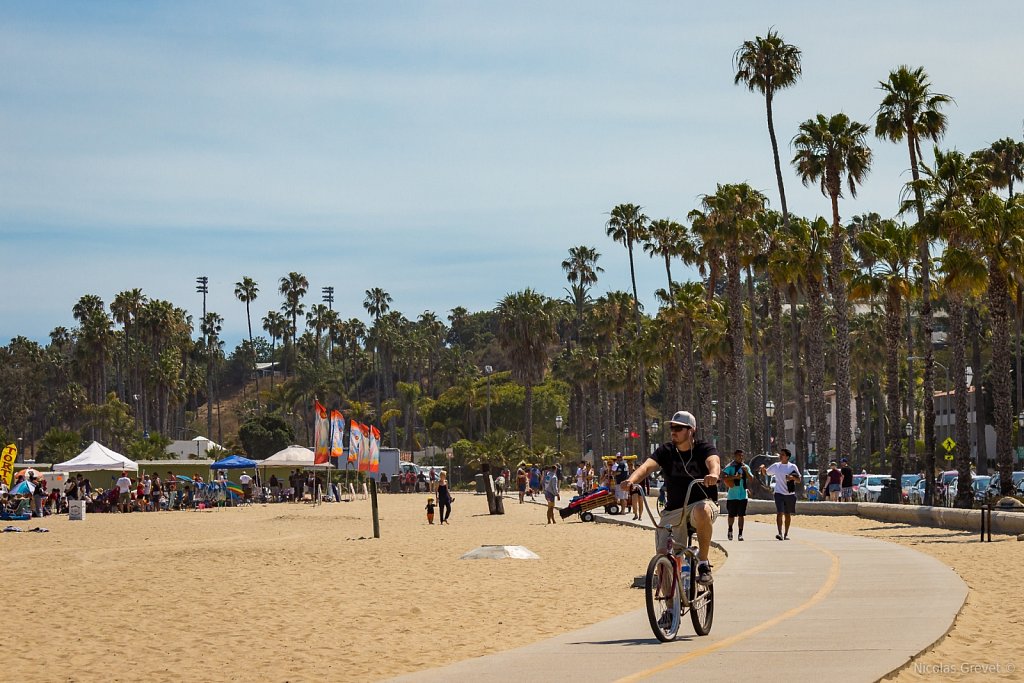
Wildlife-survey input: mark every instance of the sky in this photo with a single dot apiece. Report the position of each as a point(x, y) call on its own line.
point(448, 152)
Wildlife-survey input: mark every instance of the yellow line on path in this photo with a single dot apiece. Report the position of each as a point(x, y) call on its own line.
point(826, 588)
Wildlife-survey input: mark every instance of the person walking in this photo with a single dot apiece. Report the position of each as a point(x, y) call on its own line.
point(786, 476)
point(551, 492)
point(737, 477)
point(835, 482)
point(444, 498)
point(124, 491)
point(683, 460)
point(620, 472)
point(847, 484)
point(521, 484)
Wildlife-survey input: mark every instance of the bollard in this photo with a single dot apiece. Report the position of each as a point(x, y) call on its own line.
point(986, 522)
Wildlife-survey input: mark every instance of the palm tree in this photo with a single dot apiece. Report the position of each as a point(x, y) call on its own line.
point(1000, 229)
point(246, 291)
point(730, 223)
point(767, 65)
point(377, 303)
point(1003, 163)
point(94, 340)
point(950, 189)
point(665, 238)
point(526, 329)
point(276, 325)
point(211, 328)
point(318, 319)
point(627, 225)
point(125, 309)
point(293, 287)
point(892, 247)
point(911, 111)
point(829, 151)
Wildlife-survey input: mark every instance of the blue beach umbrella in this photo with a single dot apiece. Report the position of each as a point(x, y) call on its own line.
point(23, 488)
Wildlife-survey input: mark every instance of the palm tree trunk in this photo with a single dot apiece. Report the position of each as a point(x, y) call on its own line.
point(799, 420)
point(816, 368)
point(840, 302)
point(778, 354)
point(892, 383)
point(705, 420)
point(910, 387)
point(1002, 368)
point(740, 414)
point(927, 323)
point(955, 337)
point(980, 404)
point(778, 165)
point(758, 388)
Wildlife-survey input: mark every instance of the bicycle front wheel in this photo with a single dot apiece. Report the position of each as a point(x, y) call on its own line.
point(662, 593)
point(702, 602)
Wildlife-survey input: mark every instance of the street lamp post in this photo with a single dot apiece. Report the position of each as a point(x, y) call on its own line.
point(814, 455)
point(558, 426)
point(653, 431)
point(487, 371)
point(857, 433)
point(625, 441)
point(769, 411)
point(714, 427)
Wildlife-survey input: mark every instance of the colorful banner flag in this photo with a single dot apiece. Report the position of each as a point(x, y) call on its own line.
point(374, 449)
point(364, 451)
point(322, 436)
point(355, 442)
point(337, 434)
point(10, 455)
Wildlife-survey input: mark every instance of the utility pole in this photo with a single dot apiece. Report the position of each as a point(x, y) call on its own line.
point(202, 286)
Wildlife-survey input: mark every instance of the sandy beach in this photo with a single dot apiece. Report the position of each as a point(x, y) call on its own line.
point(292, 592)
point(989, 631)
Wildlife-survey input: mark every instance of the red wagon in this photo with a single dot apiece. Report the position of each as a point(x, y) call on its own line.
point(583, 505)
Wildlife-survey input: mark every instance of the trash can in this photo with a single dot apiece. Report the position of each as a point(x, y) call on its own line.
point(481, 486)
point(890, 492)
point(76, 510)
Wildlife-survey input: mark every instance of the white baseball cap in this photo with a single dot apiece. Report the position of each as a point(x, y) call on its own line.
point(684, 419)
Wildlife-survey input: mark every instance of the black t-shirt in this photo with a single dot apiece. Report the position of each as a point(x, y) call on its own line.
point(679, 468)
point(621, 472)
point(847, 477)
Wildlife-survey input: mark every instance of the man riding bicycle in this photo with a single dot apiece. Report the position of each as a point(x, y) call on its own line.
point(682, 460)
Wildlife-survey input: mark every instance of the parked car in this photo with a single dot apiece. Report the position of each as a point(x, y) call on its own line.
point(871, 488)
point(993, 484)
point(980, 484)
point(858, 481)
point(909, 480)
point(916, 494)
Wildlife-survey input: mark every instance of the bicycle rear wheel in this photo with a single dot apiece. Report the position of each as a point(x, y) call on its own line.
point(702, 602)
point(662, 593)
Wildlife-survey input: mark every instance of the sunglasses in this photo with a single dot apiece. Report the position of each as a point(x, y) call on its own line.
point(678, 428)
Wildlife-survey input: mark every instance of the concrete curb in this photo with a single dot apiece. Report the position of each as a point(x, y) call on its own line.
point(945, 518)
point(918, 515)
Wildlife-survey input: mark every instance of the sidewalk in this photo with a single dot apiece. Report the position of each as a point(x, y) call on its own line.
point(843, 607)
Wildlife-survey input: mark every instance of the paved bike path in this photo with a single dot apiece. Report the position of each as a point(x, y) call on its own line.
point(843, 607)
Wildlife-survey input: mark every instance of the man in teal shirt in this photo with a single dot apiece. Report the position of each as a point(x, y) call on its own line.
point(737, 477)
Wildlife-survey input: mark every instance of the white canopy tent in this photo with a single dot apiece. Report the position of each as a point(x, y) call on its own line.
point(96, 457)
point(293, 456)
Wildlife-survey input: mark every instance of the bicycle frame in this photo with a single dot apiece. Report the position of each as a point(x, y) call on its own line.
point(678, 552)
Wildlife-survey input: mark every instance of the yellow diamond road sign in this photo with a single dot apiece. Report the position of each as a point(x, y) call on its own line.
point(949, 443)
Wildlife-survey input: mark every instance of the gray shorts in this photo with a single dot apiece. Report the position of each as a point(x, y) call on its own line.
point(672, 518)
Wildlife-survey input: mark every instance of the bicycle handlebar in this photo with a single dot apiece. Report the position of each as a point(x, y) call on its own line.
point(686, 501)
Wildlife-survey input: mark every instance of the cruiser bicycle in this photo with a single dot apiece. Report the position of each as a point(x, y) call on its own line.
point(671, 588)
